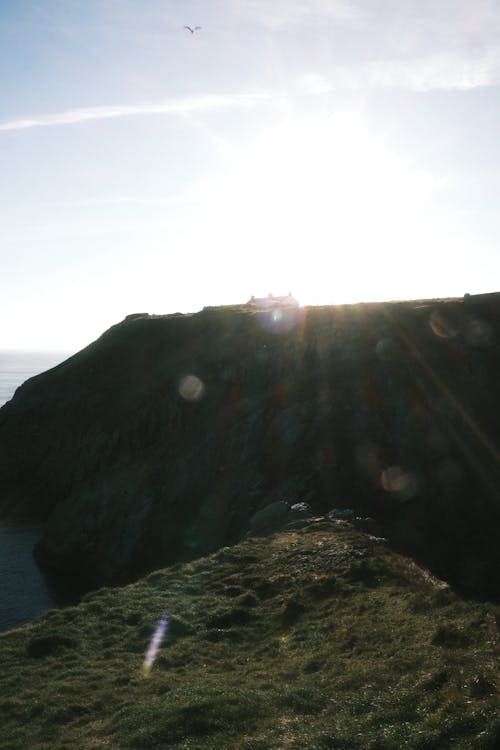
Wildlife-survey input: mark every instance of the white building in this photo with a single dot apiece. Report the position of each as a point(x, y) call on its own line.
point(269, 302)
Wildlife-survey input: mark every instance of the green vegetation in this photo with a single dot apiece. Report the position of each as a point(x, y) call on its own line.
point(311, 639)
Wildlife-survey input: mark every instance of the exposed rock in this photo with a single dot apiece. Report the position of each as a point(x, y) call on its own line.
point(343, 514)
point(271, 518)
point(301, 511)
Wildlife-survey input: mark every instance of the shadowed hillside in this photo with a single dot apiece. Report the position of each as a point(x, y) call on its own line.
point(159, 441)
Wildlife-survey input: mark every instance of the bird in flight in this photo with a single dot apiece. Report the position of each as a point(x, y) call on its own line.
point(189, 28)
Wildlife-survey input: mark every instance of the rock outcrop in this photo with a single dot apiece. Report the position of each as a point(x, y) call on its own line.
point(162, 439)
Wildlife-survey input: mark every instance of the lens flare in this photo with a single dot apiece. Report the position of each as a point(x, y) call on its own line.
point(478, 332)
point(401, 484)
point(155, 644)
point(191, 388)
point(443, 325)
point(279, 320)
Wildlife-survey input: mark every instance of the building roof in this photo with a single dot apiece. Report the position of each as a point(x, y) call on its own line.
point(273, 301)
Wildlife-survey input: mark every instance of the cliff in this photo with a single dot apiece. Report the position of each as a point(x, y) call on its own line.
point(159, 441)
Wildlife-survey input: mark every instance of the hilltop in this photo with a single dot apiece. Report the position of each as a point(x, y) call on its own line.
point(309, 639)
point(159, 441)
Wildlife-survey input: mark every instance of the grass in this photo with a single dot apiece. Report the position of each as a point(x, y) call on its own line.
point(308, 640)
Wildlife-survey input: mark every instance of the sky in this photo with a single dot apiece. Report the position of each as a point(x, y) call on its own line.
point(341, 150)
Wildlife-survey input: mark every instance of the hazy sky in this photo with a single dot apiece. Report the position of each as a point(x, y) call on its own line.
point(340, 150)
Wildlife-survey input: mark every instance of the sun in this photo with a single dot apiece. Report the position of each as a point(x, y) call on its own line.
point(319, 205)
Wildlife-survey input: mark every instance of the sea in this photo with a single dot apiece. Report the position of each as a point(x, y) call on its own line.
point(18, 366)
point(25, 592)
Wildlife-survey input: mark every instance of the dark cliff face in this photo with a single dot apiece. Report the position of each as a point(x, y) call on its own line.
point(161, 439)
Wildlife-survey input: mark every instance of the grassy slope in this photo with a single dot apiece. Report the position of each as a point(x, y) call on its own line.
point(318, 638)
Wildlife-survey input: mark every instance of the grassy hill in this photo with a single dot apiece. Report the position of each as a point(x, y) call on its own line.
point(318, 638)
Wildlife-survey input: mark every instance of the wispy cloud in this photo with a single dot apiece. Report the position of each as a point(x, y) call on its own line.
point(446, 71)
point(426, 73)
point(285, 13)
point(176, 106)
point(130, 200)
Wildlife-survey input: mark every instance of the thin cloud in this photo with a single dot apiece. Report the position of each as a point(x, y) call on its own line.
point(426, 73)
point(129, 200)
point(283, 13)
point(445, 72)
point(86, 114)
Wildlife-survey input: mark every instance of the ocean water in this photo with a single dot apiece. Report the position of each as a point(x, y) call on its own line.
point(18, 366)
point(25, 593)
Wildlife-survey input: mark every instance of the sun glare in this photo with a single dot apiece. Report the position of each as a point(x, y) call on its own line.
point(320, 206)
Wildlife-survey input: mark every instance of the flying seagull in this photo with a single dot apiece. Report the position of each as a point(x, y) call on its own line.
point(189, 28)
